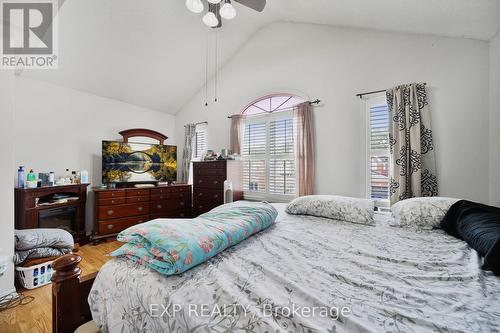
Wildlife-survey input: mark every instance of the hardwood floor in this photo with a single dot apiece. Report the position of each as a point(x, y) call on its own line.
point(36, 317)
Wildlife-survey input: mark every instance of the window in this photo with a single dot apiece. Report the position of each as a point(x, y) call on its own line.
point(200, 142)
point(378, 150)
point(269, 149)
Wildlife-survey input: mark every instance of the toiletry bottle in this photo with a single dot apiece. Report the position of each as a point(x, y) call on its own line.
point(20, 177)
point(31, 175)
point(73, 177)
point(84, 177)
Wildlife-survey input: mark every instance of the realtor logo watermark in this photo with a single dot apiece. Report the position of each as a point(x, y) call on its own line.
point(29, 34)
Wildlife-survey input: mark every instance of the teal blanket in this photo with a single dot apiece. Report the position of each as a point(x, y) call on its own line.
point(172, 246)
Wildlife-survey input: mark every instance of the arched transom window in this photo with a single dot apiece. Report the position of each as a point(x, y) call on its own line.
point(272, 103)
point(268, 147)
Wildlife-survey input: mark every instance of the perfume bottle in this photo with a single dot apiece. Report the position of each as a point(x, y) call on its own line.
point(20, 177)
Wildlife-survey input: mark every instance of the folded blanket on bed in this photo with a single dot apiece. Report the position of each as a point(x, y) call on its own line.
point(40, 243)
point(479, 226)
point(172, 246)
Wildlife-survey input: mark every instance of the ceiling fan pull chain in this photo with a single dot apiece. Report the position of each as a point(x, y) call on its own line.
point(216, 63)
point(206, 71)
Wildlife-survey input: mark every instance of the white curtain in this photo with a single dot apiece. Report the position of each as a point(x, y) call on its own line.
point(413, 164)
point(187, 152)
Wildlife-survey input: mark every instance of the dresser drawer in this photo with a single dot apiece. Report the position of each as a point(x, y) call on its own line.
point(215, 182)
point(137, 192)
point(174, 195)
point(204, 194)
point(117, 225)
point(110, 202)
point(201, 207)
point(170, 206)
point(126, 210)
point(166, 215)
point(209, 172)
point(137, 199)
point(170, 189)
point(111, 194)
point(209, 165)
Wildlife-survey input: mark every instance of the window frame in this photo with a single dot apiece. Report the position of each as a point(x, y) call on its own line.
point(267, 118)
point(371, 101)
point(199, 128)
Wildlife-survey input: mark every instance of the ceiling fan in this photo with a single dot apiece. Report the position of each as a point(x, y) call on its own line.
point(221, 9)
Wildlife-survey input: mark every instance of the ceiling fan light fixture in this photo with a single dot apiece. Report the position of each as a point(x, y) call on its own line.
point(214, 2)
point(210, 20)
point(196, 6)
point(227, 11)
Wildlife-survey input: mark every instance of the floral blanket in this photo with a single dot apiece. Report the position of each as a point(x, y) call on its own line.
point(281, 280)
point(172, 246)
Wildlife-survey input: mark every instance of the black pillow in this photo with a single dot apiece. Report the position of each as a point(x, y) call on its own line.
point(479, 226)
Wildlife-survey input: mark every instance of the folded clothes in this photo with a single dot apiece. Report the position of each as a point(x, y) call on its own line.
point(172, 246)
point(40, 243)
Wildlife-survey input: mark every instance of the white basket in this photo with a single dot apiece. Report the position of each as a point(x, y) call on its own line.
point(35, 276)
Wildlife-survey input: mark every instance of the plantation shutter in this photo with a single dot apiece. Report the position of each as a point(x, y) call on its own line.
point(200, 143)
point(254, 153)
point(281, 157)
point(379, 152)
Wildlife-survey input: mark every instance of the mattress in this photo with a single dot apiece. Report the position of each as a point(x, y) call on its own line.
point(309, 274)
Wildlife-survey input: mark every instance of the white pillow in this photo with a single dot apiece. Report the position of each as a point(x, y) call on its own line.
point(423, 213)
point(353, 210)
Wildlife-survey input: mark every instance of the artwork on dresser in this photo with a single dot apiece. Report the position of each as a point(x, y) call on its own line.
point(138, 162)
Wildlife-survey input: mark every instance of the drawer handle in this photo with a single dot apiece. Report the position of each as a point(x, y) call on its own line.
point(200, 207)
point(181, 215)
point(200, 194)
point(200, 181)
point(216, 182)
point(216, 196)
point(140, 221)
point(138, 199)
point(110, 226)
point(140, 208)
point(158, 206)
point(110, 212)
point(182, 203)
point(112, 201)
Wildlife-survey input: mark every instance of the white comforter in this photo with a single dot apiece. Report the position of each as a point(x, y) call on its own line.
point(383, 279)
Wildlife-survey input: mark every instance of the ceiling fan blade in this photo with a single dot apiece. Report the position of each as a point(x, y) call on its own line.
point(257, 5)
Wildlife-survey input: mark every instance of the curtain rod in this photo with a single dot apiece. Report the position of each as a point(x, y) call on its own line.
point(201, 122)
point(376, 92)
point(316, 101)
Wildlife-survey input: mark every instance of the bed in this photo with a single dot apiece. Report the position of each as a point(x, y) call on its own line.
point(308, 274)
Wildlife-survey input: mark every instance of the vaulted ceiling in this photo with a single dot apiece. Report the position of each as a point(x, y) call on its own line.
point(152, 53)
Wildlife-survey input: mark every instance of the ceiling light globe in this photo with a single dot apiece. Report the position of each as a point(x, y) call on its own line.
point(210, 20)
point(227, 11)
point(196, 6)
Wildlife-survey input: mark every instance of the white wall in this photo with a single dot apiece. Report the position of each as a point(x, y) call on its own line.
point(58, 128)
point(495, 120)
point(333, 64)
point(6, 180)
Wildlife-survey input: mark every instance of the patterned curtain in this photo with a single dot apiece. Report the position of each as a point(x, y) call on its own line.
point(187, 152)
point(413, 165)
point(305, 162)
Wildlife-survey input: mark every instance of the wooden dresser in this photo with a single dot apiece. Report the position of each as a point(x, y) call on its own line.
point(118, 209)
point(208, 183)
